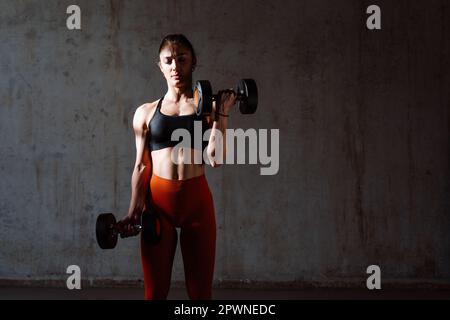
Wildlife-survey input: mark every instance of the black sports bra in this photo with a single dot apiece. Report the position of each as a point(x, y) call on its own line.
point(162, 126)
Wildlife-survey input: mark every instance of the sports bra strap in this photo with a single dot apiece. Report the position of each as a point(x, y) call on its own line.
point(160, 103)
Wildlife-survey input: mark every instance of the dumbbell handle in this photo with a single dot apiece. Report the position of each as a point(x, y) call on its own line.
point(239, 96)
point(116, 230)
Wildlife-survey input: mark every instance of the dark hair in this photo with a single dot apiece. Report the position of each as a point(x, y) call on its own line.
point(178, 39)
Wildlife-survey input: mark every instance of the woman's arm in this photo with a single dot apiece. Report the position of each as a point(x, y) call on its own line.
point(142, 168)
point(217, 149)
point(140, 177)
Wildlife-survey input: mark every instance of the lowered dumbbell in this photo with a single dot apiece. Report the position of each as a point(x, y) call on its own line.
point(107, 229)
point(246, 91)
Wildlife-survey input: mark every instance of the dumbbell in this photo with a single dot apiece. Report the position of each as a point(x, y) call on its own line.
point(107, 230)
point(246, 91)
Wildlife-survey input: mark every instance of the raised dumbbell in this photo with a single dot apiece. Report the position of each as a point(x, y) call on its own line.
point(107, 229)
point(246, 91)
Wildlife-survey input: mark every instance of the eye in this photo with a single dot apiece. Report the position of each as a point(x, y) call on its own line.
point(182, 59)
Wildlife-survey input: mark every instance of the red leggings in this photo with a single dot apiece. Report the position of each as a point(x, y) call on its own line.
point(188, 205)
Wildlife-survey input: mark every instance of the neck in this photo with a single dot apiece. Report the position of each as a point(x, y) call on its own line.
point(177, 94)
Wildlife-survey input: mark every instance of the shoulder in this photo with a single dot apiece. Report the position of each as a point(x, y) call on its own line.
point(144, 113)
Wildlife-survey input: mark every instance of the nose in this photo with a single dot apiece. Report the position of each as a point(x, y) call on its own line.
point(175, 65)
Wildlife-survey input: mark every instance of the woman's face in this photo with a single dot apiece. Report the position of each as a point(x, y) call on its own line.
point(176, 63)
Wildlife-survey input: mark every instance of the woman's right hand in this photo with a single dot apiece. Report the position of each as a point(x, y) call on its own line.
point(127, 226)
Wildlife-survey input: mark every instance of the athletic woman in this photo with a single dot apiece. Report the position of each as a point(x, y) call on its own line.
point(176, 189)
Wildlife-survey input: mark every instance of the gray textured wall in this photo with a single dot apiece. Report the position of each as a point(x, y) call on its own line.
point(363, 118)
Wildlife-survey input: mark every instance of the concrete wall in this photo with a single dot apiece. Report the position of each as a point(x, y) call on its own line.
point(364, 136)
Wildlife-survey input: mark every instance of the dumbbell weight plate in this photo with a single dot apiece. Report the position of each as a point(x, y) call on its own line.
point(249, 92)
point(203, 97)
point(104, 230)
point(151, 227)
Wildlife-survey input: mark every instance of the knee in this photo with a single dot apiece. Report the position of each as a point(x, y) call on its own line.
point(205, 294)
point(155, 297)
point(154, 294)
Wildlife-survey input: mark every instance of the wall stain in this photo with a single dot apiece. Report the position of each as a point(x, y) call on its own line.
point(114, 25)
point(115, 194)
point(116, 7)
point(357, 140)
point(38, 171)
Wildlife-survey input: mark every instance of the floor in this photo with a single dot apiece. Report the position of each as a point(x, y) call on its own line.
point(7, 293)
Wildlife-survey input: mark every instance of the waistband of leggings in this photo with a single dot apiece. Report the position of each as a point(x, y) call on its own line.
point(190, 181)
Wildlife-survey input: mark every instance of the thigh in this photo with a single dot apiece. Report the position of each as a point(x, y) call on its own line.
point(198, 247)
point(157, 261)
